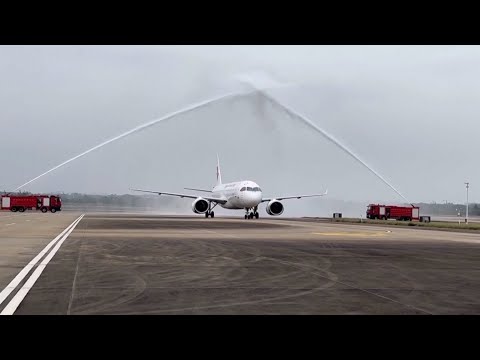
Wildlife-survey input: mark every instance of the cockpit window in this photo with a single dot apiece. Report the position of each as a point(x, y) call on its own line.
point(250, 189)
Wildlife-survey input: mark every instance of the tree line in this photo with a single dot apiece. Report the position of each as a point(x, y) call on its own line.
point(126, 200)
point(448, 209)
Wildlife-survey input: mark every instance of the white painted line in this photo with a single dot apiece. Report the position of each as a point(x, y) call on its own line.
point(21, 275)
point(20, 295)
point(27, 220)
point(10, 224)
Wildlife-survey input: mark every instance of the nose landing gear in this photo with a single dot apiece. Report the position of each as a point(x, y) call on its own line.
point(251, 213)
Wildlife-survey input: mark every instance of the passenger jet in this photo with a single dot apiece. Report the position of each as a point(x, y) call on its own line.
point(236, 195)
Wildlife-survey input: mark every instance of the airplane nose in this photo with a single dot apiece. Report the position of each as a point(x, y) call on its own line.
point(250, 199)
point(255, 198)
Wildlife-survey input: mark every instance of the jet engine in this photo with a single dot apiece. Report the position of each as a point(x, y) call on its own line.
point(274, 207)
point(200, 206)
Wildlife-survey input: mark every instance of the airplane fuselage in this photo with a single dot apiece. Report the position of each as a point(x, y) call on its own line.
point(239, 195)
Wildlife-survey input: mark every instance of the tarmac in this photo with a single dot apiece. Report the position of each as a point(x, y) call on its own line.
point(114, 263)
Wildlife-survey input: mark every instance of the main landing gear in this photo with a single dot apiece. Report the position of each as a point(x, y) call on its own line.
point(209, 211)
point(252, 213)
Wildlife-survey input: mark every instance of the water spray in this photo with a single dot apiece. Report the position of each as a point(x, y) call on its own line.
point(332, 139)
point(325, 134)
point(260, 84)
point(142, 127)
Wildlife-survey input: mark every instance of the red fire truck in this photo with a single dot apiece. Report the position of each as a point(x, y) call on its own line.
point(385, 212)
point(40, 202)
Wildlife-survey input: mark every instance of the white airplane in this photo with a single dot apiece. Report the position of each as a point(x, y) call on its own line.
point(236, 195)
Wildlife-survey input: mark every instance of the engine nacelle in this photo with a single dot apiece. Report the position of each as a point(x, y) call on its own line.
point(200, 206)
point(274, 208)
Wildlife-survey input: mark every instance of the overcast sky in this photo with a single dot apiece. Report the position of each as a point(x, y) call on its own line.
point(412, 112)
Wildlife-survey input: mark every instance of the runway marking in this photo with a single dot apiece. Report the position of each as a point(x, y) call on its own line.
point(23, 273)
point(356, 234)
point(10, 224)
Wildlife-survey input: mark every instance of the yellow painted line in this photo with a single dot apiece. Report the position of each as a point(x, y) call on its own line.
point(362, 234)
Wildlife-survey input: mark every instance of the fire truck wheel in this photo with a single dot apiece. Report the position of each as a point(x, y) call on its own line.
point(44, 209)
point(53, 210)
point(14, 209)
point(22, 209)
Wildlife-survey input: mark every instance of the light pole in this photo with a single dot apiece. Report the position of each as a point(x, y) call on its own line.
point(466, 213)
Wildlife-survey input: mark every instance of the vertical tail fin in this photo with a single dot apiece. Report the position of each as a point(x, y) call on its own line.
point(219, 174)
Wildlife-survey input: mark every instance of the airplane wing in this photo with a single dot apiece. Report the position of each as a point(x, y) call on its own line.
point(294, 197)
point(209, 191)
point(208, 198)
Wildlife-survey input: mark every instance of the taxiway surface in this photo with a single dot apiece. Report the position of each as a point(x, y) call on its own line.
point(141, 264)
